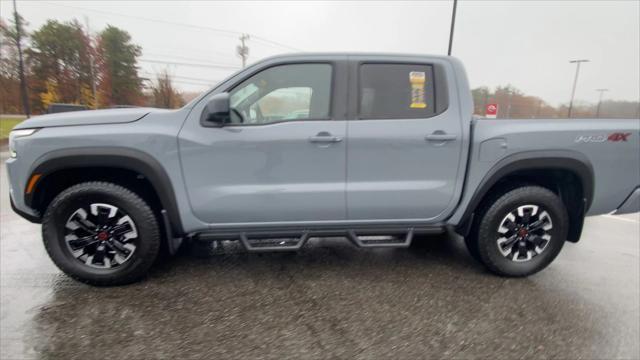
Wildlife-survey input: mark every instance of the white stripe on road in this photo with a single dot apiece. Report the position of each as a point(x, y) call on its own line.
point(621, 218)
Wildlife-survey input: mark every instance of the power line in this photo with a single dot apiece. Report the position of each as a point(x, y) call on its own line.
point(208, 81)
point(208, 85)
point(230, 33)
point(193, 83)
point(212, 65)
point(260, 38)
point(182, 57)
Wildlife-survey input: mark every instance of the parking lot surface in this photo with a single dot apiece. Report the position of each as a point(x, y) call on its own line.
point(329, 300)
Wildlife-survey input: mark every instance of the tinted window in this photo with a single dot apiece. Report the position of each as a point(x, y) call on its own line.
point(396, 91)
point(283, 93)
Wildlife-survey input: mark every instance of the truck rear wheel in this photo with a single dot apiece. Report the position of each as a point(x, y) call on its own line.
point(101, 234)
point(519, 232)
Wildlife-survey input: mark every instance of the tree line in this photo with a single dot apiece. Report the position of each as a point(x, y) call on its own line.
point(63, 63)
point(513, 103)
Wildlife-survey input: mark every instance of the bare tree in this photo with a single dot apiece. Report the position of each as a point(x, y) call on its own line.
point(164, 93)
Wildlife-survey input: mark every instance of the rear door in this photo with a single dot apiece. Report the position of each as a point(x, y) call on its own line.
point(404, 142)
point(283, 157)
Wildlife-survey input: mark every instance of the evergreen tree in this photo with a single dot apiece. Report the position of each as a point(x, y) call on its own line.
point(117, 63)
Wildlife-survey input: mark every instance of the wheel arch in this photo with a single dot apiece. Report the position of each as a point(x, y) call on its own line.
point(101, 160)
point(557, 170)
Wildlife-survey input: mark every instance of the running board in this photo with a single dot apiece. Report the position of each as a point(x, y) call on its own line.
point(293, 240)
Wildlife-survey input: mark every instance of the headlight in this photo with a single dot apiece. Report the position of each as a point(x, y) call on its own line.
point(13, 135)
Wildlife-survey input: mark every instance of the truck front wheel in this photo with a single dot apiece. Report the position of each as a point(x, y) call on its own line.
point(101, 233)
point(519, 232)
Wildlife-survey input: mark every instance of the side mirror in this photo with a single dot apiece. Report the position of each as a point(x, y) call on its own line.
point(217, 112)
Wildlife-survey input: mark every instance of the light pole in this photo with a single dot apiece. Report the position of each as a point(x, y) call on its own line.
point(575, 82)
point(600, 101)
point(453, 24)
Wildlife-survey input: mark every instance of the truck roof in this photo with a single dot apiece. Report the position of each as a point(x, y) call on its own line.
point(314, 55)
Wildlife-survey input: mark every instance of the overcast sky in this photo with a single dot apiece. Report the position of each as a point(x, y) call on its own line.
point(524, 43)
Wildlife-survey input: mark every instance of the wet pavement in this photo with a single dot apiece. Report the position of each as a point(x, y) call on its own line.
point(330, 300)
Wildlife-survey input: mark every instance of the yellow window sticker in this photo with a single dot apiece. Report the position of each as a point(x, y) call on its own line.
point(417, 80)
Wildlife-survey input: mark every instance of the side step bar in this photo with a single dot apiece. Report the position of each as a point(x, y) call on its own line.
point(273, 244)
point(368, 241)
point(293, 240)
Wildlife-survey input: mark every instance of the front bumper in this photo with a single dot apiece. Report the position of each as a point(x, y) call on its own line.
point(17, 173)
point(631, 204)
point(33, 218)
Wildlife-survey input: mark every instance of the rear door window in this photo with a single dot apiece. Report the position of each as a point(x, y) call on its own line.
point(396, 91)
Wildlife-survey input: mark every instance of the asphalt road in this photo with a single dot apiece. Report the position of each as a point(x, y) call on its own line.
point(330, 300)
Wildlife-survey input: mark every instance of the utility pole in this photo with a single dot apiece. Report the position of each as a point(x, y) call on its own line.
point(23, 82)
point(575, 82)
point(243, 50)
point(510, 93)
point(600, 101)
point(91, 64)
point(453, 24)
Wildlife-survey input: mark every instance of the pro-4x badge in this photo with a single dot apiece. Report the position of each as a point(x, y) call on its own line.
point(614, 137)
point(618, 137)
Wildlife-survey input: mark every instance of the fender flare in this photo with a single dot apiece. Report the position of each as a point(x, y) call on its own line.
point(123, 158)
point(570, 160)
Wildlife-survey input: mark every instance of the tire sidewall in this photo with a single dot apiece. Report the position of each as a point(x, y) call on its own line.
point(61, 208)
point(488, 234)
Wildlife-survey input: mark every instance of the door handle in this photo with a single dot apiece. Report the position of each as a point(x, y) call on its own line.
point(440, 136)
point(324, 137)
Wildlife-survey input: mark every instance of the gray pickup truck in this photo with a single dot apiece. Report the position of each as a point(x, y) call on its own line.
point(371, 147)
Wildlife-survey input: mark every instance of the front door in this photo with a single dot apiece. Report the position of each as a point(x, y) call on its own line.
point(282, 158)
point(405, 141)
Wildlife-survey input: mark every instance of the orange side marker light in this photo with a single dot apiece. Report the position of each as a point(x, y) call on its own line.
point(32, 182)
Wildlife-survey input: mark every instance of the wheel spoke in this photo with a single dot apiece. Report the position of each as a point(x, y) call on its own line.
point(119, 247)
point(79, 224)
point(102, 217)
point(100, 253)
point(536, 240)
point(121, 229)
point(82, 242)
point(536, 225)
point(516, 253)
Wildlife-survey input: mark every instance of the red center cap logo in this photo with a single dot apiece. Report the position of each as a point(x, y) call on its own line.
point(103, 236)
point(523, 232)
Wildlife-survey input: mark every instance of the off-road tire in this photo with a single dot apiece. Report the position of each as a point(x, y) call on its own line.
point(482, 242)
point(63, 205)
